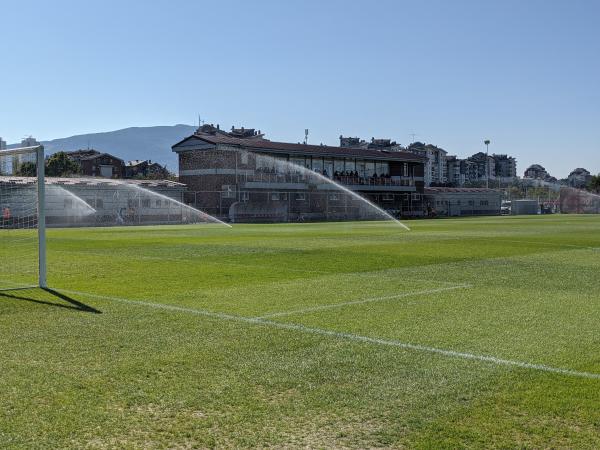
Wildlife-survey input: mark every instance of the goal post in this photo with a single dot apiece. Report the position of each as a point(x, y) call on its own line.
point(23, 210)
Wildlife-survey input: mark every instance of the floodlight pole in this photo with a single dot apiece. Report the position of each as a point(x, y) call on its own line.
point(41, 213)
point(487, 164)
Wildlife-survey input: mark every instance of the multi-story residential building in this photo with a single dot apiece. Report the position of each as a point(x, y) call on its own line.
point(436, 171)
point(505, 167)
point(386, 145)
point(457, 170)
point(536, 172)
point(2, 144)
point(255, 179)
point(29, 142)
point(481, 169)
point(579, 178)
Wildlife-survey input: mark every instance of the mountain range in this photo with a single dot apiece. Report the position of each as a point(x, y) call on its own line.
point(152, 143)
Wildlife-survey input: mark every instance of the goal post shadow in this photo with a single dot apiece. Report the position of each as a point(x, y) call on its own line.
point(33, 295)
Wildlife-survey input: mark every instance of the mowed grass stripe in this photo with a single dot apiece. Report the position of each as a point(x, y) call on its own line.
point(347, 336)
point(364, 301)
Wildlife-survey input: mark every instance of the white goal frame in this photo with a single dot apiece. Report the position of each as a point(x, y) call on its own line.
point(41, 206)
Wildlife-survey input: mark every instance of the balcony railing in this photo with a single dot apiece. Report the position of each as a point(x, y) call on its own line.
point(290, 177)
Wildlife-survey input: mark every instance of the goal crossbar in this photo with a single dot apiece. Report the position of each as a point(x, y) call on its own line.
point(41, 206)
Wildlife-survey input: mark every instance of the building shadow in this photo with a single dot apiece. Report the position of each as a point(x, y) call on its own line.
point(65, 301)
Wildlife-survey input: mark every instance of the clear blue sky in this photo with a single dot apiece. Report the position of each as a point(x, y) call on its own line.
point(525, 74)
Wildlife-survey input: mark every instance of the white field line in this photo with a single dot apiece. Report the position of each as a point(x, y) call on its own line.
point(363, 301)
point(348, 336)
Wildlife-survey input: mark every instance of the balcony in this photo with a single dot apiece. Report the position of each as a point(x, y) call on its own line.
point(302, 181)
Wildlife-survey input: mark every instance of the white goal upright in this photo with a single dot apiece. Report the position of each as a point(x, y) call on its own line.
point(22, 219)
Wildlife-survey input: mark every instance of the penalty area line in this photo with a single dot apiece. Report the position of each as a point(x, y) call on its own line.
point(363, 301)
point(347, 336)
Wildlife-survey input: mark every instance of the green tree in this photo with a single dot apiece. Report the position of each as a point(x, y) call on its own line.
point(60, 165)
point(27, 169)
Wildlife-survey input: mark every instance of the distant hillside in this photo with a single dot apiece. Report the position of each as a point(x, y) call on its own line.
point(130, 143)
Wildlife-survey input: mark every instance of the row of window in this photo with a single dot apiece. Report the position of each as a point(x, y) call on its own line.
point(333, 196)
point(458, 202)
point(328, 166)
point(98, 203)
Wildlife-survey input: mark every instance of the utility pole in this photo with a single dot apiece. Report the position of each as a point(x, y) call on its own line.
point(487, 164)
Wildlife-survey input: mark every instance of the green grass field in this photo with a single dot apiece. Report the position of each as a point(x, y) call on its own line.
point(479, 332)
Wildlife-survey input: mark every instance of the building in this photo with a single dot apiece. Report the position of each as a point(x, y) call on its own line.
point(505, 168)
point(97, 202)
point(145, 169)
point(436, 169)
point(96, 164)
point(536, 172)
point(456, 170)
point(2, 144)
point(450, 202)
point(482, 169)
point(29, 142)
point(250, 178)
point(579, 178)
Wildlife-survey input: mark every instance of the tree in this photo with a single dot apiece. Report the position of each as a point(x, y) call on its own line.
point(27, 169)
point(594, 184)
point(60, 165)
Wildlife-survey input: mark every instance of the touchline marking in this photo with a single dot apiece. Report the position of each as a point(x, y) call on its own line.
point(363, 301)
point(348, 336)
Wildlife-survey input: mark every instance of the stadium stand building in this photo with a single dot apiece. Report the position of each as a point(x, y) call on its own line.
point(236, 175)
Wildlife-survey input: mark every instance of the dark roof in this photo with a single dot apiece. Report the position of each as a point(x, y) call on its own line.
point(325, 150)
point(443, 190)
point(98, 155)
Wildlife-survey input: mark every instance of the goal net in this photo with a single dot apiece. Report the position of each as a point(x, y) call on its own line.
point(22, 219)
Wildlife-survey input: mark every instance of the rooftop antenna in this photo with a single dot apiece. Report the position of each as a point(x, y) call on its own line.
point(412, 135)
point(305, 136)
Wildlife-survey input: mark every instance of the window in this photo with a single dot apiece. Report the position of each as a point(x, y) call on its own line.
point(228, 191)
point(470, 202)
point(328, 167)
point(484, 203)
point(244, 196)
point(99, 203)
point(317, 165)
point(298, 161)
point(361, 168)
point(382, 168)
point(350, 165)
point(68, 203)
point(416, 196)
point(338, 165)
point(145, 203)
point(158, 203)
point(132, 202)
point(388, 197)
point(405, 169)
point(244, 158)
point(301, 196)
point(334, 196)
point(275, 196)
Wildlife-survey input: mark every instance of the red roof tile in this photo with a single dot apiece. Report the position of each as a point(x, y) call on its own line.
point(325, 150)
